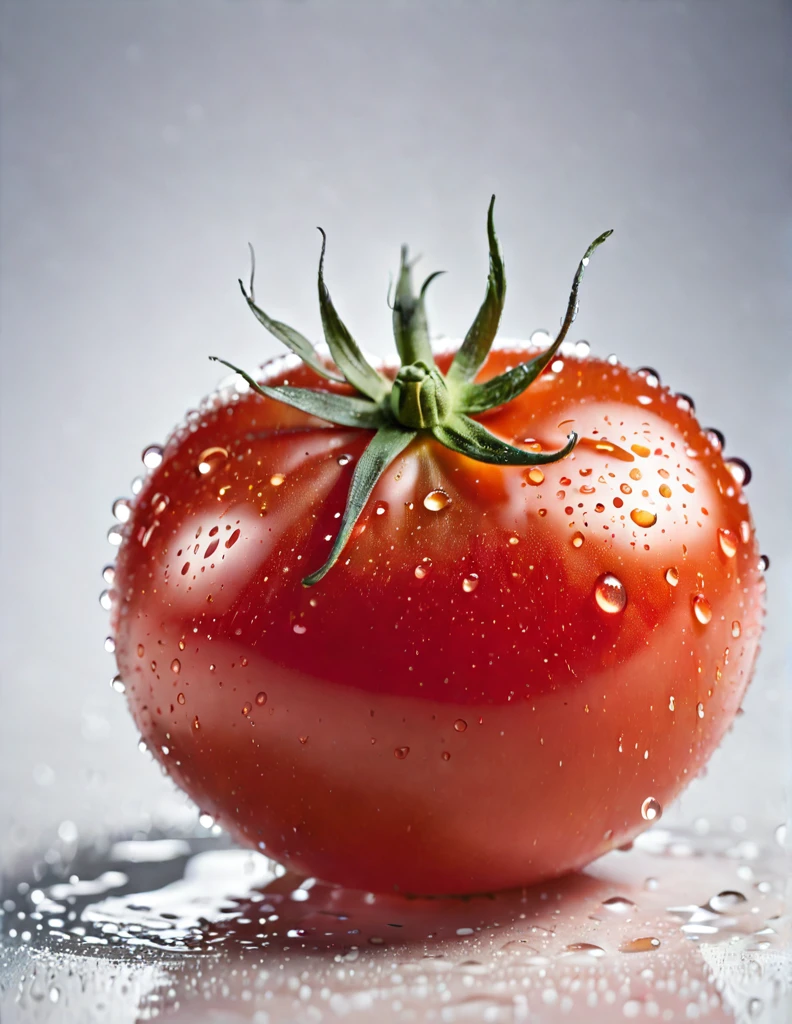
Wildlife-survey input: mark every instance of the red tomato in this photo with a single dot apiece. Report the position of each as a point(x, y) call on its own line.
point(509, 671)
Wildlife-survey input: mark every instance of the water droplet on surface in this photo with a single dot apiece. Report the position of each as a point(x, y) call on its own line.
point(205, 820)
point(716, 439)
point(122, 510)
point(701, 608)
point(460, 725)
point(577, 539)
point(247, 707)
point(115, 536)
point(557, 365)
point(535, 476)
point(261, 699)
point(469, 583)
point(685, 402)
point(727, 541)
point(670, 703)
point(764, 563)
point(643, 518)
point(436, 500)
point(587, 949)
point(672, 576)
point(755, 1008)
point(582, 349)
point(159, 502)
point(641, 450)
point(401, 752)
point(700, 710)
point(344, 460)
point(176, 666)
point(180, 698)
point(610, 594)
point(618, 904)
point(117, 684)
point(108, 574)
point(196, 723)
point(651, 809)
point(740, 471)
point(646, 944)
point(446, 756)
point(105, 600)
point(423, 570)
point(152, 456)
point(726, 901)
point(211, 459)
point(652, 377)
point(277, 479)
point(298, 627)
point(540, 338)
point(109, 644)
point(665, 491)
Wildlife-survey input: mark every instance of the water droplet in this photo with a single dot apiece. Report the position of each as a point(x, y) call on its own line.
point(618, 904)
point(700, 710)
point(159, 502)
point(247, 707)
point(117, 684)
point(651, 809)
point(401, 752)
point(727, 541)
point(588, 949)
point(540, 338)
point(726, 901)
point(205, 820)
point(140, 650)
point(446, 756)
point(610, 593)
point(670, 703)
point(665, 491)
point(277, 479)
point(642, 450)
point(740, 471)
point(755, 1008)
point(109, 644)
point(557, 365)
point(535, 476)
point(380, 508)
point(469, 583)
point(261, 699)
point(715, 438)
point(646, 944)
point(643, 518)
point(54, 994)
point(764, 563)
point(105, 600)
point(122, 510)
point(181, 699)
point(625, 489)
point(115, 536)
point(108, 574)
point(736, 629)
point(577, 539)
point(613, 359)
point(185, 568)
point(152, 456)
point(582, 349)
point(344, 460)
point(436, 500)
point(196, 723)
point(701, 608)
point(652, 377)
point(685, 402)
point(298, 627)
point(176, 666)
point(211, 459)
point(460, 725)
point(672, 576)
point(423, 570)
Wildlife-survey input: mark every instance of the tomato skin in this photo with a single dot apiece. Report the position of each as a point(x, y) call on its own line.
point(450, 709)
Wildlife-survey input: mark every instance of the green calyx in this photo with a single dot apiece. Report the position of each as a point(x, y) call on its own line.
point(420, 400)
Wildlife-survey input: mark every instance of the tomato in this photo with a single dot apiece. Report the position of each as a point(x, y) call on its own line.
point(509, 672)
point(472, 637)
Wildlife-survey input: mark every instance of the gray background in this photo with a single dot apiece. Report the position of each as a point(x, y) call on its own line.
point(143, 144)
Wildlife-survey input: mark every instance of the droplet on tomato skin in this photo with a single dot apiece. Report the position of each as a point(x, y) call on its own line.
point(136, 486)
point(436, 500)
point(277, 479)
point(618, 905)
point(247, 707)
point(672, 576)
point(205, 820)
point(641, 450)
point(535, 476)
point(152, 456)
point(701, 608)
point(727, 541)
point(641, 517)
point(469, 583)
point(665, 491)
point(745, 532)
point(211, 459)
point(180, 698)
point(740, 471)
point(582, 349)
point(610, 593)
point(764, 563)
point(380, 508)
point(646, 944)
point(159, 503)
point(115, 535)
point(446, 756)
point(670, 703)
point(635, 473)
point(586, 949)
point(700, 710)
point(651, 809)
point(716, 439)
point(196, 723)
point(299, 628)
point(108, 574)
point(122, 510)
point(106, 600)
point(109, 644)
point(625, 488)
point(261, 699)
point(540, 338)
point(344, 460)
point(176, 666)
point(117, 684)
point(736, 629)
point(460, 725)
point(726, 901)
point(424, 568)
point(401, 752)
point(141, 650)
point(577, 539)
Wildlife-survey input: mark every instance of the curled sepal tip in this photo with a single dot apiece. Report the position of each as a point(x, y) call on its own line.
point(387, 443)
point(468, 437)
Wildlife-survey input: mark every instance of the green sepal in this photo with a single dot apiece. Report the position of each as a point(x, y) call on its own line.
point(343, 410)
point(292, 339)
point(387, 443)
point(467, 437)
point(475, 398)
point(410, 326)
point(343, 347)
point(478, 341)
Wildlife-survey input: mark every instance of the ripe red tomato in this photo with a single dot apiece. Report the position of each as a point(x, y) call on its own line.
point(509, 671)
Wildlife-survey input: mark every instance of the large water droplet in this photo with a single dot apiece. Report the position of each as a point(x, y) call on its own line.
point(277, 479)
point(211, 459)
point(535, 476)
point(401, 752)
point(672, 576)
point(105, 600)
point(582, 349)
point(651, 809)
point(117, 684)
point(618, 904)
point(643, 451)
point(736, 629)
point(701, 608)
point(726, 901)
point(115, 536)
point(716, 439)
point(460, 725)
point(764, 563)
point(469, 583)
point(727, 541)
point(344, 460)
point(610, 594)
point(540, 338)
point(436, 500)
point(261, 699)
point(740, 470)
point(641, 517)
point(122, 510)
point(646, 944)
point(109, 645)
point(176, 666)
point(152, 456)
point(577, 539)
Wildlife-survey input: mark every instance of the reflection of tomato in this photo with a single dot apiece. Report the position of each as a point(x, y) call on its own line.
point(508, 672)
